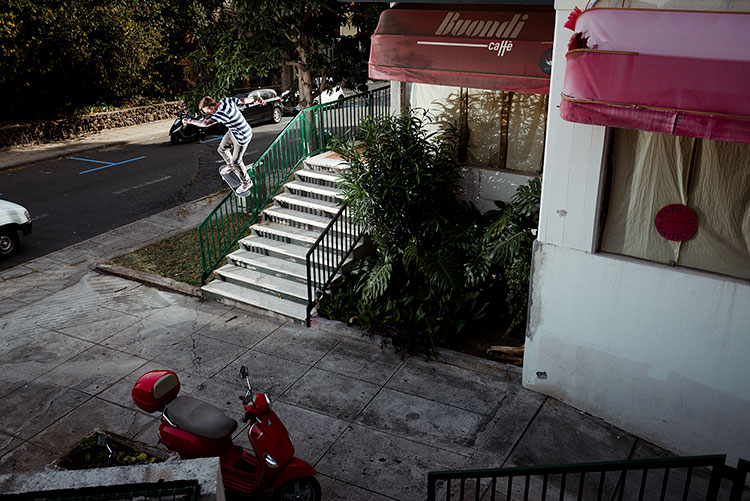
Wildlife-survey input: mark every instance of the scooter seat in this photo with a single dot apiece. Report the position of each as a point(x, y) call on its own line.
point(199, 418)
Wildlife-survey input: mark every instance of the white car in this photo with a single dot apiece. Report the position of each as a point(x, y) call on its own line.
point(330, 95)
point(14, 219)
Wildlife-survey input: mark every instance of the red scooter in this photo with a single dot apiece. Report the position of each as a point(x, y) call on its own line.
point(194, 429)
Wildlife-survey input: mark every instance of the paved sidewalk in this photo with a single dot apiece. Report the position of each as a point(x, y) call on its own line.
point(74, 340)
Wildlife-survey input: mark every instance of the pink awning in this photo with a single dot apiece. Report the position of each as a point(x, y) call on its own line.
point(677, 72)
point(504, 50)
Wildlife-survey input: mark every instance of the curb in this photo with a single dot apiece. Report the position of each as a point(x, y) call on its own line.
point(150, 279)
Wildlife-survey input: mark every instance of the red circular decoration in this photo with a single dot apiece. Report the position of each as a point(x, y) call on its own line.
point(676, 222)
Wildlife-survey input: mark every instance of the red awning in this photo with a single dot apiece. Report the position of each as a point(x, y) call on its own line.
point(504, 50)
point(677, 72)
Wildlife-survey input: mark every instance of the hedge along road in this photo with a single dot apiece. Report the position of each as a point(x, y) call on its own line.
point(82, 195)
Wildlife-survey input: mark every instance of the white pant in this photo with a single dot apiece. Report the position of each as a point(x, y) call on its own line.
point(232, 151)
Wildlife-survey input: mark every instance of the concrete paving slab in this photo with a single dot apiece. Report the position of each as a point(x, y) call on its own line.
point(508, 426)
point(95, 413)
point(561, 434)
point(453, 386)
point(313, 433)
point(95, 369)
point(189, 319)
point(361, 360)
point(26, 359)
point(200, 355)
point(393, 466)
point(146, 339)
point(297, 343)
point(8, 442)
point(36, 405)
point(331, 394)
point(10, 288)
point(425, 421)
point(239, 329)
point(97, 325)
point(9, 305)
point(26, 457)
point(336, 490)
point(268, 373)
point(31, 295)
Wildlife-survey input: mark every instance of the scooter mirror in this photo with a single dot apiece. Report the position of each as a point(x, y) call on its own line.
point(243, 372)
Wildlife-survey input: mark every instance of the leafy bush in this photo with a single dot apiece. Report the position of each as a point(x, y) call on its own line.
point(435, 258)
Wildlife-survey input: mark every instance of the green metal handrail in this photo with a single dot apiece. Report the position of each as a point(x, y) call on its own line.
point(307, 134)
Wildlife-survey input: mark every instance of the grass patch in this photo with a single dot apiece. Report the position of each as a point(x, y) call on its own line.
point(177, 257)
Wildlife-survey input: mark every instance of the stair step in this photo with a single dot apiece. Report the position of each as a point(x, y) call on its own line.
point(296, 216)
point(319, 175)
point(328, 160)
point(275, 248)
point(269, 284)
point(286, 232)
point(285, 268)
point(311, 190)
point(322, 206)
point(253, 300)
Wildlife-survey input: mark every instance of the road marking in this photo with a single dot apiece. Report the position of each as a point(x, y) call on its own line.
point(40, 216)
point(147, 183)
point(106, 164)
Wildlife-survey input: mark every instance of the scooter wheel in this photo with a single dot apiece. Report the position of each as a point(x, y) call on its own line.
point(174, 140)
point(299, 489)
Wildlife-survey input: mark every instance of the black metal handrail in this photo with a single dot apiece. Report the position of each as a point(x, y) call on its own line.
point(671, 478)
point(328, 254)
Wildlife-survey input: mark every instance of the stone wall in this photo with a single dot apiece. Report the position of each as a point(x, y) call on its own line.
point(72, 127)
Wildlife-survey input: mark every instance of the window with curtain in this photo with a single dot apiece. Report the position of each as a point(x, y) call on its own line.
point(501, 130)
point(651, 170)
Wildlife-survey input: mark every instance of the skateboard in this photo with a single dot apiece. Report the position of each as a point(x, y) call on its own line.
point(234, 182)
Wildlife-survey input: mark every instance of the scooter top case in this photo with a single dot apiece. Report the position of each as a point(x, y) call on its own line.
point(155, 389)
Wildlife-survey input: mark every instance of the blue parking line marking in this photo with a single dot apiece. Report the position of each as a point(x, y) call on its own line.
point(106, 164)
point(88, 160)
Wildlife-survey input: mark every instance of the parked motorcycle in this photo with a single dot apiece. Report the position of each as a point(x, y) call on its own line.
point(181, 133)
point(194, 429)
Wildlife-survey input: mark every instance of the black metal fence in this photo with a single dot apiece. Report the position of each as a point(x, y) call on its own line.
point(684, 478)
point(327, 255)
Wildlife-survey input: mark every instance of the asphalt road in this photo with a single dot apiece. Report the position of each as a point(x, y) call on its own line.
point(79, 196)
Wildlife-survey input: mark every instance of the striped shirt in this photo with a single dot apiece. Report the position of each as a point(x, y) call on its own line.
point(230, 115)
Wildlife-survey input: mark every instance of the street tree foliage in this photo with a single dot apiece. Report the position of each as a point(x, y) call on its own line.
point(62, 55)
point(250, 38)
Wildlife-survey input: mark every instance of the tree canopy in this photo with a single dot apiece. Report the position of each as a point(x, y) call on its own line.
point(253, 37)
point(58, 55)
point(65, 55)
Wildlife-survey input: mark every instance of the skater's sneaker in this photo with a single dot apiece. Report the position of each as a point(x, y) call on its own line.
point(244, 187)
point(226, 170)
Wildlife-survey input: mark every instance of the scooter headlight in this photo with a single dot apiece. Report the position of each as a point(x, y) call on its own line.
point(270, 461)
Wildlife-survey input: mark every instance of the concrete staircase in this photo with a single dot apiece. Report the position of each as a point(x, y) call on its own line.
point(268, 271)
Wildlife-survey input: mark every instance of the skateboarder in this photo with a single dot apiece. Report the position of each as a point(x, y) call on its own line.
point(238, 136)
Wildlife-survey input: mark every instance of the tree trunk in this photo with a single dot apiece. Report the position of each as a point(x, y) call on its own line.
point(305, 79)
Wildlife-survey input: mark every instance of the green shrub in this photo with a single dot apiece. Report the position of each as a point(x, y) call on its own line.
point(435, 259)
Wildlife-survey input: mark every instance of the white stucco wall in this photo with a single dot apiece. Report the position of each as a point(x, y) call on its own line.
point(483, 187)
point(661, 352)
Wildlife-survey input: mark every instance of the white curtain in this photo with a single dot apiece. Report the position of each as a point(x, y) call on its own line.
point(652, 170)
